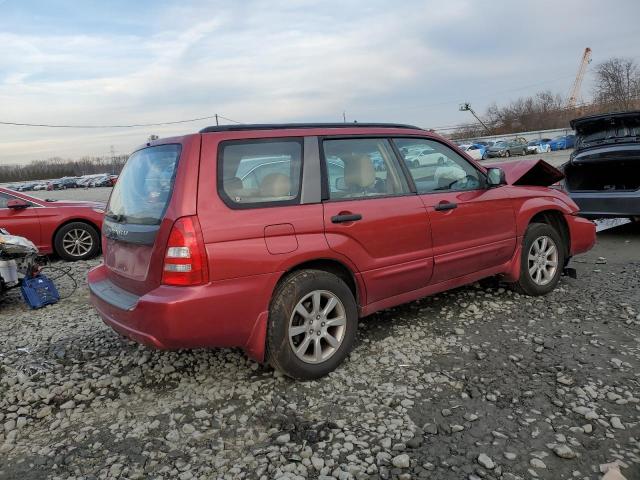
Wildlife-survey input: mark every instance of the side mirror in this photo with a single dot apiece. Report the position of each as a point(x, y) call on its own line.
point(17, 204)
point(495, 177)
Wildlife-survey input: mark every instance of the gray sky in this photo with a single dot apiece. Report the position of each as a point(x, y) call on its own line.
point(121, 62)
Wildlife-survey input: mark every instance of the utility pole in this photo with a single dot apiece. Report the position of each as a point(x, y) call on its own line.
point(217, 120)
point(113, 160)
point(344, 116)
point(466, 107)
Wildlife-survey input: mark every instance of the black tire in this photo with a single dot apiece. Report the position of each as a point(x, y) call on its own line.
point(526, 283)
point(508, 154)
point(291, 290)
point(82, 230)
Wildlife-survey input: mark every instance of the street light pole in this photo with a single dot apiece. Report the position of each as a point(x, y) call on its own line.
point(466, 107)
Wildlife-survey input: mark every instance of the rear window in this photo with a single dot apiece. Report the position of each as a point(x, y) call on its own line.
point(144, 187)
point(259, 173)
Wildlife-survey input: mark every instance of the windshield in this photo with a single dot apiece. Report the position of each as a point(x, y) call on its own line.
point(143, 190)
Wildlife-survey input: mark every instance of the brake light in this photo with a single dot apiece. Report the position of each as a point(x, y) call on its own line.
point(185, 260)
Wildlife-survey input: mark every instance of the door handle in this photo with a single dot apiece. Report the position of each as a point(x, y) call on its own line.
point(445, 206)
point(346, 217)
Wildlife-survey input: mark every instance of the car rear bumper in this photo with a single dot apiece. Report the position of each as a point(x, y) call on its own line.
point(219, 314)
point(607, 204)
point(582, 233)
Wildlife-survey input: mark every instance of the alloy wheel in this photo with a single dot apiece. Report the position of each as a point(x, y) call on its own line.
point(77, 242)
point(543, 260)
point(317, 326)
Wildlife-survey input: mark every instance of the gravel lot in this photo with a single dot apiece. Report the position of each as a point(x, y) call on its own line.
point(475, 383)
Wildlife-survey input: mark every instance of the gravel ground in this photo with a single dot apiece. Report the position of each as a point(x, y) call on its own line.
point(475, 383)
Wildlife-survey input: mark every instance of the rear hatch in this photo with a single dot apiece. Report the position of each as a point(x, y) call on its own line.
point(135, 229)
point(607, 153)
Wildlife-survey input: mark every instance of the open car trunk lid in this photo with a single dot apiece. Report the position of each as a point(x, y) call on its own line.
point(134, 228)
point(611, 132)
point(529, 172)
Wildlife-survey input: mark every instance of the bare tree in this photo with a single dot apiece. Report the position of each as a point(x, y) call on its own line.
point(618, 83)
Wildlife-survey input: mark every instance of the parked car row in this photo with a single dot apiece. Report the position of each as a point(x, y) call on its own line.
point(483, 149)
point(86, 181)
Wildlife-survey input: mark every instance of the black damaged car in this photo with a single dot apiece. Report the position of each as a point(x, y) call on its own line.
point(603, 172)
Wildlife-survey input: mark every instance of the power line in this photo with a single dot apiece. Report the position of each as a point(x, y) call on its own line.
point(49, 125)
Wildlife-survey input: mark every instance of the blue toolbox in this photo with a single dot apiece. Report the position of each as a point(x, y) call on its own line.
point(39, 291)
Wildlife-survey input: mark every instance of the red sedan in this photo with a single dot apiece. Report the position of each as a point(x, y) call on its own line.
point(69, 229)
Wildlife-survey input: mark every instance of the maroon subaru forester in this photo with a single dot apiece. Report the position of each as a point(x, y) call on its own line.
point(278, 238)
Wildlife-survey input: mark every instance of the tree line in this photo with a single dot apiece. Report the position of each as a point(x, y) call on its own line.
point(616, 89)
point(58, 167)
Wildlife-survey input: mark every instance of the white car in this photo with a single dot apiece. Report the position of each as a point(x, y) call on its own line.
point(472, 150)
point(539, 146)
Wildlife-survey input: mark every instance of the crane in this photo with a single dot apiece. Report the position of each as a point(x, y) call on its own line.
point(574, 93)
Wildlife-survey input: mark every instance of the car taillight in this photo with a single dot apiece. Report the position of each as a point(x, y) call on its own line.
point(185, 260)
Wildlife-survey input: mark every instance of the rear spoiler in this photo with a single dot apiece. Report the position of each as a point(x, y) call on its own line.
point(536, 173)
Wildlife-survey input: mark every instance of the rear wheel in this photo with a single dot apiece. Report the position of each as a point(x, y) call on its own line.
point(76, 241)
point(312, 325)
point(507, 154)
point(542, 260)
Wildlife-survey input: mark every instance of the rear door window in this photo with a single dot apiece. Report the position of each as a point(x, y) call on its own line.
point(360, 168)
point(143, 190)
point(259, 173)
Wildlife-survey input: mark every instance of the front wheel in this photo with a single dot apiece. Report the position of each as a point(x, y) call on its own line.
point(76, 241)
point(507, 154)
point(312, 325)
point(542, 260)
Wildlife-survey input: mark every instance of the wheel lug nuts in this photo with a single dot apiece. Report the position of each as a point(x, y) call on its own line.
point(322, 324)
point(318, 332)
point(317, 317)
point(311, 332)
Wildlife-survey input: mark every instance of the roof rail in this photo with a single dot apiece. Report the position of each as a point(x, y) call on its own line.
point(281, 126)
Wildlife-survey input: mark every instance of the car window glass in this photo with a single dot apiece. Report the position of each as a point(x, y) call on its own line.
point(260, 172)
point(442, 169)
point(4, 198)
point(358, 168)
